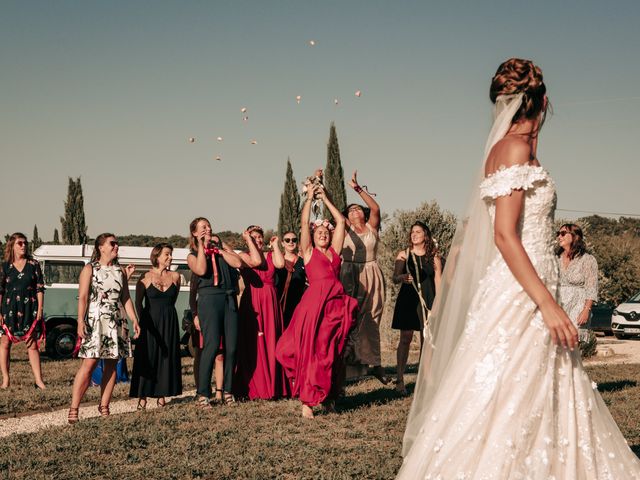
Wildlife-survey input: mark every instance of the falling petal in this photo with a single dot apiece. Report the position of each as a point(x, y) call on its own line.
point(243, 109)
point(219, 139)
point(312, 43)
point(358, 93)
point(335, 100)
point(218, 158)
point(244, 119)
point(298, 98)
point(192, 139)
point(254, 142)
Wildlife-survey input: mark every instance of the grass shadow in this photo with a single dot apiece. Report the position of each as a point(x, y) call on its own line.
point(379, 396)
point(616, 386)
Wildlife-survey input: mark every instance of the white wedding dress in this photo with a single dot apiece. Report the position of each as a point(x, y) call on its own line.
point(511, 404)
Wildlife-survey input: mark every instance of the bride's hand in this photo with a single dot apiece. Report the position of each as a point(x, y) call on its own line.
point(562, 330)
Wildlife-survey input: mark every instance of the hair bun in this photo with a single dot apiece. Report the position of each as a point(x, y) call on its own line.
point(518, 75)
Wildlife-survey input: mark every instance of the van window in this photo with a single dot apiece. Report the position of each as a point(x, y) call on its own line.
point(140, 271)
point(185, 275)
point(61, 271)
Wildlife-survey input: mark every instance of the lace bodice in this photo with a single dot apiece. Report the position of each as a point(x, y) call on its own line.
point(536, 221)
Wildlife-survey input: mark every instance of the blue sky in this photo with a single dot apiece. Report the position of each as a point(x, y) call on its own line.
point(111, 91)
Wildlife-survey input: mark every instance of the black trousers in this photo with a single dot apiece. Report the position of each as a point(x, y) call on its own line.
point(218, 315)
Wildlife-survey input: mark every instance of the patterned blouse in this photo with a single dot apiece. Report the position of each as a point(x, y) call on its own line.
point(578, 283)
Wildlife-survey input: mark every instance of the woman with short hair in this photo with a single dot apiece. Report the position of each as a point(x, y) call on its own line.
point(21, 306)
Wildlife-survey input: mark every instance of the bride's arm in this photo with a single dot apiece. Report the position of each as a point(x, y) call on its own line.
point(508, 211)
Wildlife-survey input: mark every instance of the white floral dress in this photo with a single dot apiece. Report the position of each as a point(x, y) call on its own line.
point(512, 405)
point(107, 331)
point(578, 283)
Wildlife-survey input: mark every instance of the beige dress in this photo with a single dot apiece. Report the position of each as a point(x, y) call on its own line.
point(362, 279)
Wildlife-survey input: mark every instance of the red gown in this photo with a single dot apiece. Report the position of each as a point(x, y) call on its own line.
point(311, 348)
point(258, 374)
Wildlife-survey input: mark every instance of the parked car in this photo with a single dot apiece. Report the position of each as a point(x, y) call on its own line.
point(625, 322)
point(600, 321)
point(62, 264)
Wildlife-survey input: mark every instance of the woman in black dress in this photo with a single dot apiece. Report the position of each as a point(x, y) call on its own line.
point(157, 371)
point(291, 281)
point(21, 306)
point(418, 268)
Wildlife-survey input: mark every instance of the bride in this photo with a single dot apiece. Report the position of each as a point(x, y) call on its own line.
point(501, 392)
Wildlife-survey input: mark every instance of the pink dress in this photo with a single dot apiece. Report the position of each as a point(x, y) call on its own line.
point(311, 347)
point(258, 375)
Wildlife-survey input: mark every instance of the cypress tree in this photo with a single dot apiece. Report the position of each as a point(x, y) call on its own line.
point(56, 237)
point(74, 229)
point(289, 215)
point(333, 174)
point(36, 241)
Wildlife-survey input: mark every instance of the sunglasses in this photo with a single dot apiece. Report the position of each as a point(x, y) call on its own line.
point(290, 240)
point(21, 243)
point(562, 233)
point(113, 243)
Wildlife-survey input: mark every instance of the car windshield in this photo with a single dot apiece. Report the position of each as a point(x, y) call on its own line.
point(635, 298)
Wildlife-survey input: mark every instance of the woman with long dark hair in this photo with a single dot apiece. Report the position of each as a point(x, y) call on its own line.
point(311, 349)
point(578, 274)
point(103, 332)
point(291, 281)
point(21, 306)
point(418, 268)
point(157, 370)
point(214, 266)
point(259, 376)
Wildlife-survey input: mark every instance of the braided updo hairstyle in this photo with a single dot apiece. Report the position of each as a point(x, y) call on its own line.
point(517, 75)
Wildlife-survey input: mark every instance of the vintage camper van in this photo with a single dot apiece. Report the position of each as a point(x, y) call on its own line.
point(61, 266)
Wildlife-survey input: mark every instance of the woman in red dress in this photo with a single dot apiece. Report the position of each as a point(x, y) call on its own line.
point(258, 375)
point(312, 346)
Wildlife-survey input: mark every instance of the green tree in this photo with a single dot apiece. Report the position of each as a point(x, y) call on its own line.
point(333, 173)
point(56, 237)
point(289, 215)
point(36, 241)
point(74, 228)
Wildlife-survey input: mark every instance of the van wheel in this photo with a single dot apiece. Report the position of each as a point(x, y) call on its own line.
point(621, 336)
point(61, 341)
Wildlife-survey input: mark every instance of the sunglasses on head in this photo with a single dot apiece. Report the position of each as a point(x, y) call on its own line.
point(113, 243)
point(562, 233)
point(290, 240)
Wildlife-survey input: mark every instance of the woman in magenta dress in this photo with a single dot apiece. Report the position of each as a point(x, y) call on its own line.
point(312, 346)
point(258, 375)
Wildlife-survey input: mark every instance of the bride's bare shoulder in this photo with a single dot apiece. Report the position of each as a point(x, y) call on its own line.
point(509, 151)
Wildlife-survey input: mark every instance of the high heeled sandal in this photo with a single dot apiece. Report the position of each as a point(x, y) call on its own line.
point(203, 403)
point(378, 372)
point(215, 399)
point(72, 416)
point(161, 403)
point(104, 410)
point(228, 399)
point(142, 404)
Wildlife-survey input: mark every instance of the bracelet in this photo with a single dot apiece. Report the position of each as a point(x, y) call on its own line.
point(358, 189)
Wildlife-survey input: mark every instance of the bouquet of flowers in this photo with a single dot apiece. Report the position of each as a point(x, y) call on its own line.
point(308, 186)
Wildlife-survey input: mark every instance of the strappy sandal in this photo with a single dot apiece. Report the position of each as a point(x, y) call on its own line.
point(203, 403)
point(142, 404)
point(104, 410)
point(161, 402)
point(228, 399)
point(216, 399)
point(73, 417)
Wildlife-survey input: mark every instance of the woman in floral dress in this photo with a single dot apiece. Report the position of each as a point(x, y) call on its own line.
point(21, 303)
point(578, 276)
point(103, 332)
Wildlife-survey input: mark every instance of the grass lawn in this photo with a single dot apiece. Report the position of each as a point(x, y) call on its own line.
point(249, 440)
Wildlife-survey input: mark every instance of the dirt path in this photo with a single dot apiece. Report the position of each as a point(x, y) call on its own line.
point(612, 350)
point(32, 423)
